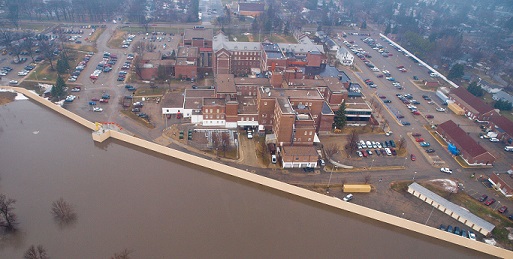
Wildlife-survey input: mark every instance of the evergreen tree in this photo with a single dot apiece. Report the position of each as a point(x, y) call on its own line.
point(364, 25)
point(475, 89)
point(388, 29)
point(58, 88)
point(503, 105)
point(340, 119)
point(457, 71)
point(61, 66)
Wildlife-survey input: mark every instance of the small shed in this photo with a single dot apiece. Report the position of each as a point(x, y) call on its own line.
point(357, 188)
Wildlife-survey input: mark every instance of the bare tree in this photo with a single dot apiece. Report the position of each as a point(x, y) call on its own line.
point(8, 218)
point(216, 141)
point(367, 179)
point(63, 211)
point(352, 141)
point(384, 125)
point(138, 66)
point(47, 49)
point(331, 149)
point(36, 253)
point(401, 143)
point(225, 142)
point(125, 254)
point(139, 47)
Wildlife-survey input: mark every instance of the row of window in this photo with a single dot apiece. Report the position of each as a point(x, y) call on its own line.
point(211, 111)
point(212, 116)
point(247, 53)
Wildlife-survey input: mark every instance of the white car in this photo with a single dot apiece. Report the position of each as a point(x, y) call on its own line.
point(446, 170)
point(13, 82)
point(440, 109)
point(494, 140)
point(348, 197)
point(359, 153)
point(471, 235)
point(97, 109)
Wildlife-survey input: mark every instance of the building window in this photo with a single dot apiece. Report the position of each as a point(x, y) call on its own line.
point(309, 139)
point(306, 132)
point(217, 111)
point(217, 116)
point(265, 103)
point(310, 133)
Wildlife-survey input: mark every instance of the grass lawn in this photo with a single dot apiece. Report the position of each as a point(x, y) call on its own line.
point(136, 29)
point(80, 47)
point(240, 38)
point(278, 38)
point(44, 73)
point(96, 34)
point(116, 39)
point(150, 91)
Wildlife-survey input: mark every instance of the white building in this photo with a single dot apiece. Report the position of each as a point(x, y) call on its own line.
point(345, 57)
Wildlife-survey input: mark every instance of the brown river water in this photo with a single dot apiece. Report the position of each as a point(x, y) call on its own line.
point(158, 207)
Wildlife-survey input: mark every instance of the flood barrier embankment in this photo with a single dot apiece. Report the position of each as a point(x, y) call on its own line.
point(285, 188)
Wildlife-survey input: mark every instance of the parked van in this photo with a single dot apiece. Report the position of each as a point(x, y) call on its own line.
point(508, 148)
point(273, 159)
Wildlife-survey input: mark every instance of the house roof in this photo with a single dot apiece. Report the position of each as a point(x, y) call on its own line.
point(252, 81)
point(503, 95)
point(472, 101)
point(461, 138)
point(251, 7)
point(503, 123)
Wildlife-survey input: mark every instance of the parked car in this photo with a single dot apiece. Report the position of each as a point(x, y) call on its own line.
point(483, 198)
point(446, 170)
point(348, 197)
point(440, 109)
point(136, 109)
point(405, 123)
point(419, 140)
point(97, 109)
point(442, 227)
point(449, 229)
point(387, 101)
point(502, 209)
point(457, 231)
point(430, 150)
point(429, 116)
point(416, 134)
point(412, 157)
point(489, 202)
point(424, 144)
point(471, 235)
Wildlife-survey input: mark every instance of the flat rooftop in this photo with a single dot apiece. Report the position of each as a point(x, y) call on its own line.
point(291, 93)
point(202, 33)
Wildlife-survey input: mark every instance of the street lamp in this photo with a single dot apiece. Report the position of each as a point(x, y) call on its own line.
point(414, 174)
point(329, 181)
point(372, 163)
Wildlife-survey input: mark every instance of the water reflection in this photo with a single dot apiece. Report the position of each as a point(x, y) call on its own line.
point(159, 207)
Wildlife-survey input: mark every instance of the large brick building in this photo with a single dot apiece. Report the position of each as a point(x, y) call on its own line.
point(201, 38)
point(471, 151)
point(474, 107)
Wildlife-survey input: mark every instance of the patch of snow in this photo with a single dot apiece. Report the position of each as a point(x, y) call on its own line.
point(510, 235)
point(447, 184)
point(20, 97)
point(35, 132)
point(490, 241)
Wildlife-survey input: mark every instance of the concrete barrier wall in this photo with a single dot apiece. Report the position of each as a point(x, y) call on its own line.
point(52, 106)
point(316, 197)
point(279, 186)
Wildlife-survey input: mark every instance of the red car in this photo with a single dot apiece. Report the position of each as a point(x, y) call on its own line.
point(503, 209)
point(490, 202)
point(412, 157)
point(416, 113)
point(419, 139)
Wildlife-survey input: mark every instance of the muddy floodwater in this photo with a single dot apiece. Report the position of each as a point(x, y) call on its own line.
point(157, 207)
